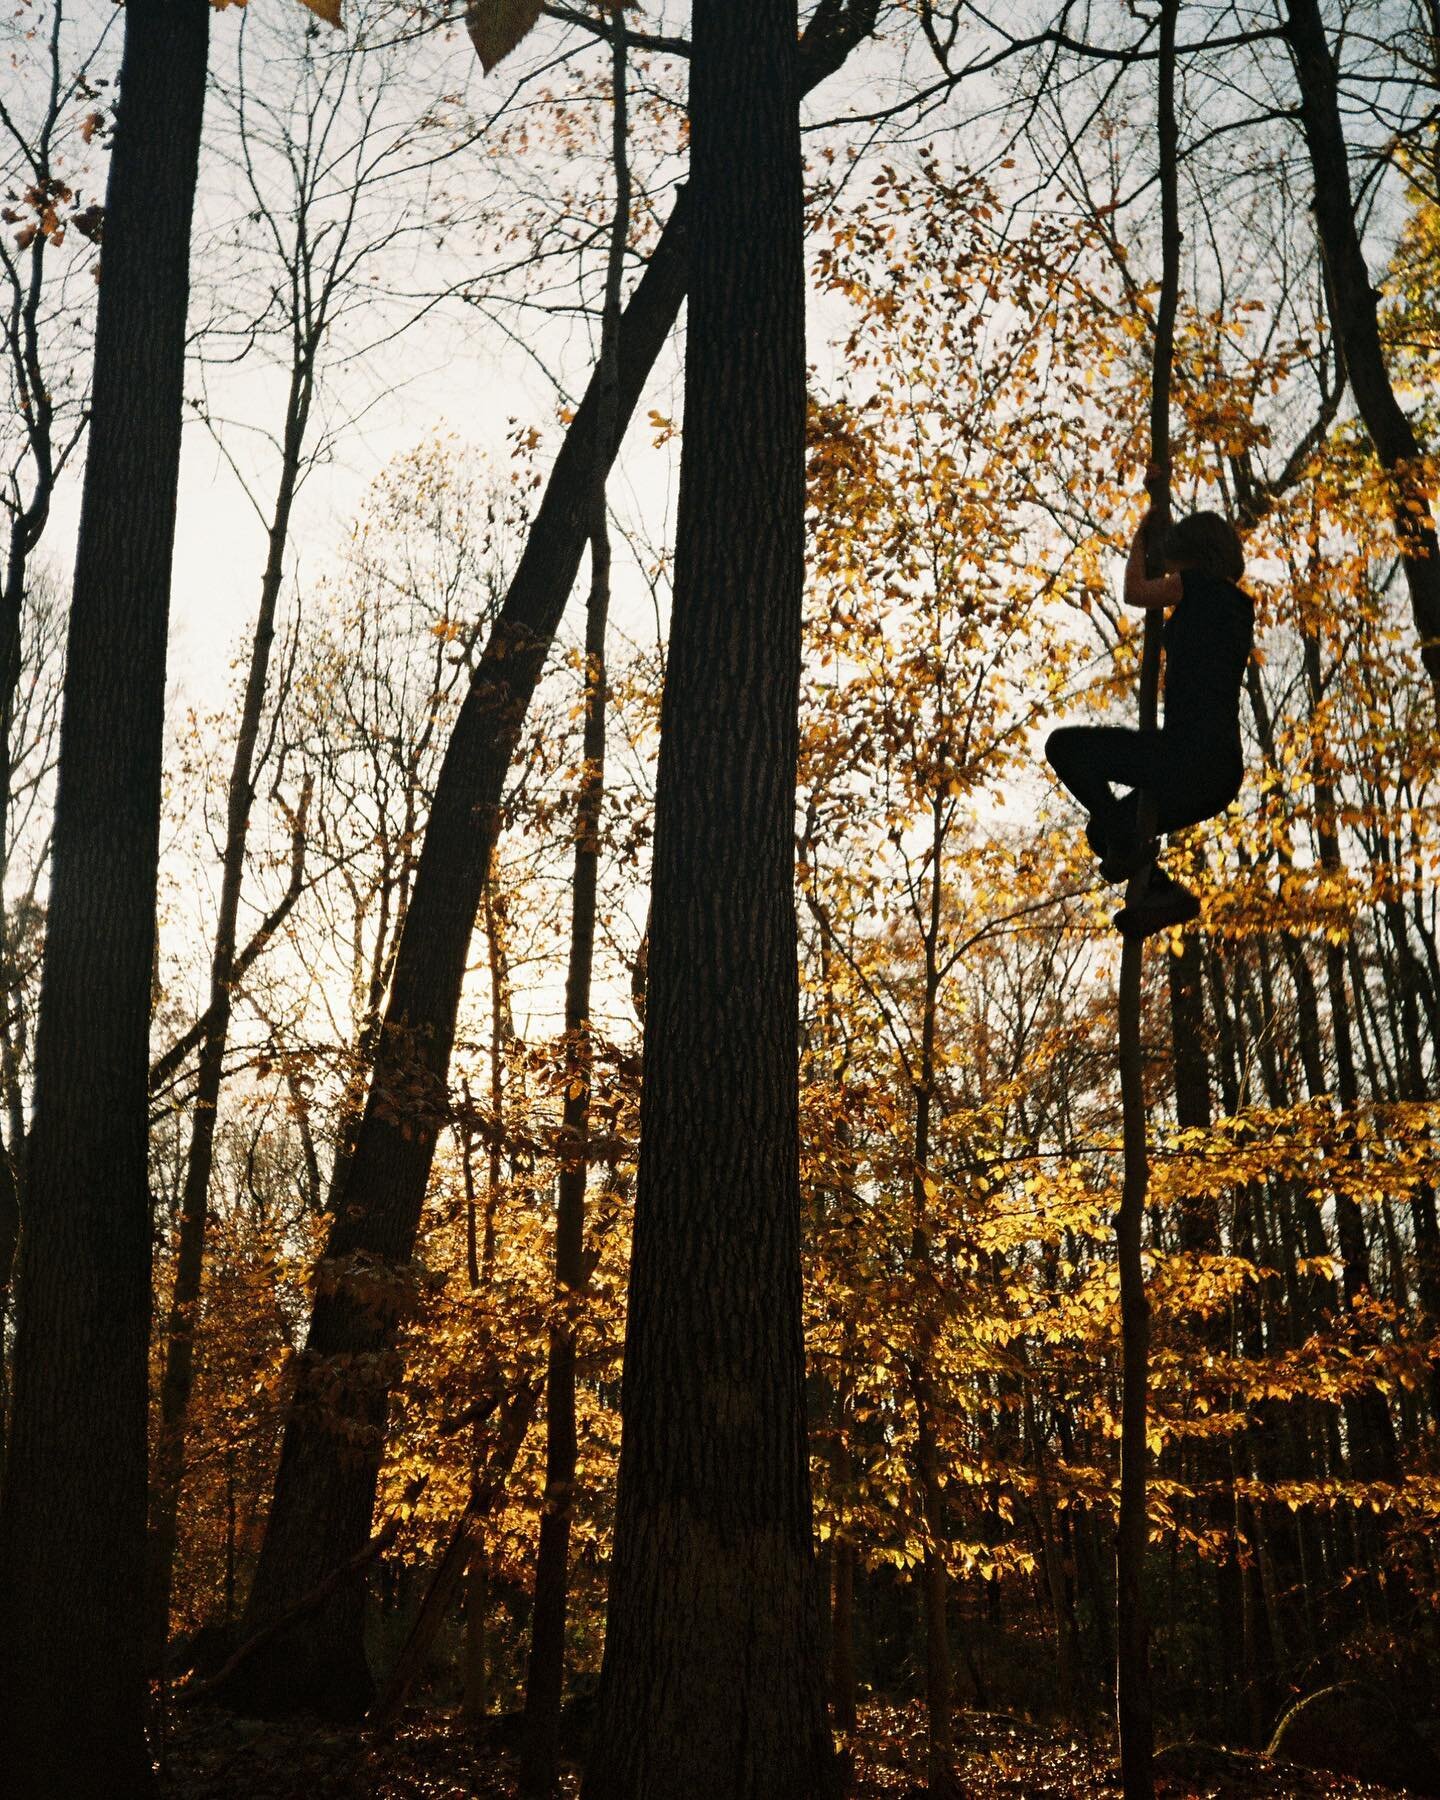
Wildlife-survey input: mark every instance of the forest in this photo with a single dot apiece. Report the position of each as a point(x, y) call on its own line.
point(599, 1193)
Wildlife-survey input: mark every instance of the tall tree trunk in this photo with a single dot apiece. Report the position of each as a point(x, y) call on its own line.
point(475, 1702)
point(935, 1581)
point(1134, 1704)
point(539, 1760)
point(1132, 1675)
point(502, 1030)
point(72, 1527)
point(330, 1457)
point(712, 1683)
point(1357, 322)
point(178, 1378)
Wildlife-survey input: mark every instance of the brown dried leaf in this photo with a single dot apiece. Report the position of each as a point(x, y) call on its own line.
point(497, 26)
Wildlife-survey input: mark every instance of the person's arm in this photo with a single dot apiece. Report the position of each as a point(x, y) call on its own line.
point(1147, 590)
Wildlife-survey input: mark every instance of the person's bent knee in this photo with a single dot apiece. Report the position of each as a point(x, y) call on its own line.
point(1061, 745)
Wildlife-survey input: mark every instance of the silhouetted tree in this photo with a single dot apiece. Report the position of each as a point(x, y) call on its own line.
point(72, 1525)
point(712, 1683)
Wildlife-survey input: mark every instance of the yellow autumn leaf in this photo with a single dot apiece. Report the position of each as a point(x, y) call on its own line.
point(328, 10)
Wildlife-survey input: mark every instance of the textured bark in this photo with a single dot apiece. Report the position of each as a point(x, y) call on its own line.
point(712, 1683)
point(1355, 306)
point(325, 1486)
point(369, 1552)
point(72, 1530)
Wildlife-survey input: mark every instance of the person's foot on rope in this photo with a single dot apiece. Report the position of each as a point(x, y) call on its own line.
point(1163, 903)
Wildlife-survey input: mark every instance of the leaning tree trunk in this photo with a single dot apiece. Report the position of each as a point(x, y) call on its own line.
point(72, 1530)
point(712, 1685)
point(330, 1457)
point(1356, 309)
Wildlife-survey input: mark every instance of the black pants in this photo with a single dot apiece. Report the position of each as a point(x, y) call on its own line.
point(1188, 779)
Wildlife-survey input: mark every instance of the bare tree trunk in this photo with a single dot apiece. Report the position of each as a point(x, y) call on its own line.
point(178, 1378)
point(935, 1585)
point(501, 1031)
point(713, 1684)
point(539, 1759)
point(1133, 1699)
point(475, 1703)
point(1134, 1703)
point(72, 1529)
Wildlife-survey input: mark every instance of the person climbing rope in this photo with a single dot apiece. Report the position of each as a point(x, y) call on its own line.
point(1193, 766)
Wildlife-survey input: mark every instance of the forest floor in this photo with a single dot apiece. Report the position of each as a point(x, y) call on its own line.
point(212, 1756)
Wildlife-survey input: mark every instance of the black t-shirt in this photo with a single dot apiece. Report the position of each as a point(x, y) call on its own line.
point(1207, 644)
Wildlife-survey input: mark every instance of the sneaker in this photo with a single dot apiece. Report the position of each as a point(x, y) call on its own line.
point(1163, 904)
